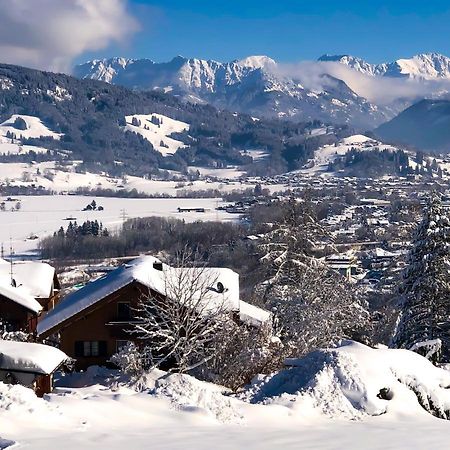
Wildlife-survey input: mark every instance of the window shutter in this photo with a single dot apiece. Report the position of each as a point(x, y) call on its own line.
point(79, 348)
point(102, 348)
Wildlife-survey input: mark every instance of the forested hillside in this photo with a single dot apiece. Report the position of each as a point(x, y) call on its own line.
point(90, 116)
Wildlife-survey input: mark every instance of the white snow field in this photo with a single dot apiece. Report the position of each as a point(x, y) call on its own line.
point(328, 153)
point(49, 176)
point(157, 134)
point(40, 216)
point(328, 400)
point(35, 128)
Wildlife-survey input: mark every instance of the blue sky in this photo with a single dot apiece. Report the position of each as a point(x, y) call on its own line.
point(287, 30)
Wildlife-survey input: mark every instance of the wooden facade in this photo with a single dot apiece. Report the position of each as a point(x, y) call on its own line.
point(96, 333)
point(41, 383)
point(16, 316)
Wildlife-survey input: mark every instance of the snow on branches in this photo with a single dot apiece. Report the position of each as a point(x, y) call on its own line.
point(313, 305)
point(425, 309)
point(178, 328)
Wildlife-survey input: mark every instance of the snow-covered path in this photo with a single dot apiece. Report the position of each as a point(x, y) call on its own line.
point(330, 434)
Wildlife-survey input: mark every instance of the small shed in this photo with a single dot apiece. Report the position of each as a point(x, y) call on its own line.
point(30, 365)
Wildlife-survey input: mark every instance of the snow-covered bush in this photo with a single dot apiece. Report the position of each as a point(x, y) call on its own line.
point(242, 352)
point(129, 359)
point(432, 350)
point(352, 380)
point(18, 336)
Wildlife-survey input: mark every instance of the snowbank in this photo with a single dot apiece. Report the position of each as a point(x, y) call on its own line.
point(288, 409)
point(353, 381)
point(189, 394)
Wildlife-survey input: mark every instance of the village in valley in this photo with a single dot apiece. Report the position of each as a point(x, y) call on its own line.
point(118, 300)
point(225, 249)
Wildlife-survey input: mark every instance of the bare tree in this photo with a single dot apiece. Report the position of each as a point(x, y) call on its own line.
point(178, 326)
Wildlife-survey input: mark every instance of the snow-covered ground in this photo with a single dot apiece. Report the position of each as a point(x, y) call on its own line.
point(328, 153)
point(231, 173)
point(40, 216)
point(257, 155)
point(157, 128)
point(35, 128)
point(328, 400)
point(67, 179)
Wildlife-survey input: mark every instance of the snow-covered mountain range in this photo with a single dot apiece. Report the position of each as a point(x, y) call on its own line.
point(425, 66)
point(260, 86)
point(255, 85)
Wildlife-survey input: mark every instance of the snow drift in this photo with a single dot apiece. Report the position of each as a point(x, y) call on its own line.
point(353, 381)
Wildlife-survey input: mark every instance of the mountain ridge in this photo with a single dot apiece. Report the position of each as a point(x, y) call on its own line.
point(254, 85)
point(425, 66)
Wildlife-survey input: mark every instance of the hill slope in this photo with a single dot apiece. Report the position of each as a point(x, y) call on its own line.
point(91, 121)
point(425, 125)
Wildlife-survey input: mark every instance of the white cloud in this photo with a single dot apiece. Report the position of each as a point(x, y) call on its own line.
point(378, 90)
point(49, 34)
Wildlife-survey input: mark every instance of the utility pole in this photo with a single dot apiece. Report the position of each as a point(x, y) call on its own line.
point(11, 253)
point(123, 215)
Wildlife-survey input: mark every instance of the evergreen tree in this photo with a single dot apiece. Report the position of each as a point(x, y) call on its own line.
point(425, 310)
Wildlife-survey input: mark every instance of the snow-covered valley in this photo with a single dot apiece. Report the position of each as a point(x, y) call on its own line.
point(40, 216)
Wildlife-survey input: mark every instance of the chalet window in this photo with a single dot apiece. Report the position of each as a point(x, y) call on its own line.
point(123, 311)
point(90, 348)
point(120, 344)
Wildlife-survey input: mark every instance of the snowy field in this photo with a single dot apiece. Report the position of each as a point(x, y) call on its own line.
point(328, 400)
point(47, 175)
point(42, 215)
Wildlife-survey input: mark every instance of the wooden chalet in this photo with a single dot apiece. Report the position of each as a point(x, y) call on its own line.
point(94, 322)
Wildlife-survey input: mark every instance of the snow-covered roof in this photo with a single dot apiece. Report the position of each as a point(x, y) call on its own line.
point(35, 277)
point(252, 315)
point(381, 253)
point(30, 357)
point(141, 270)
point(20, 296)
